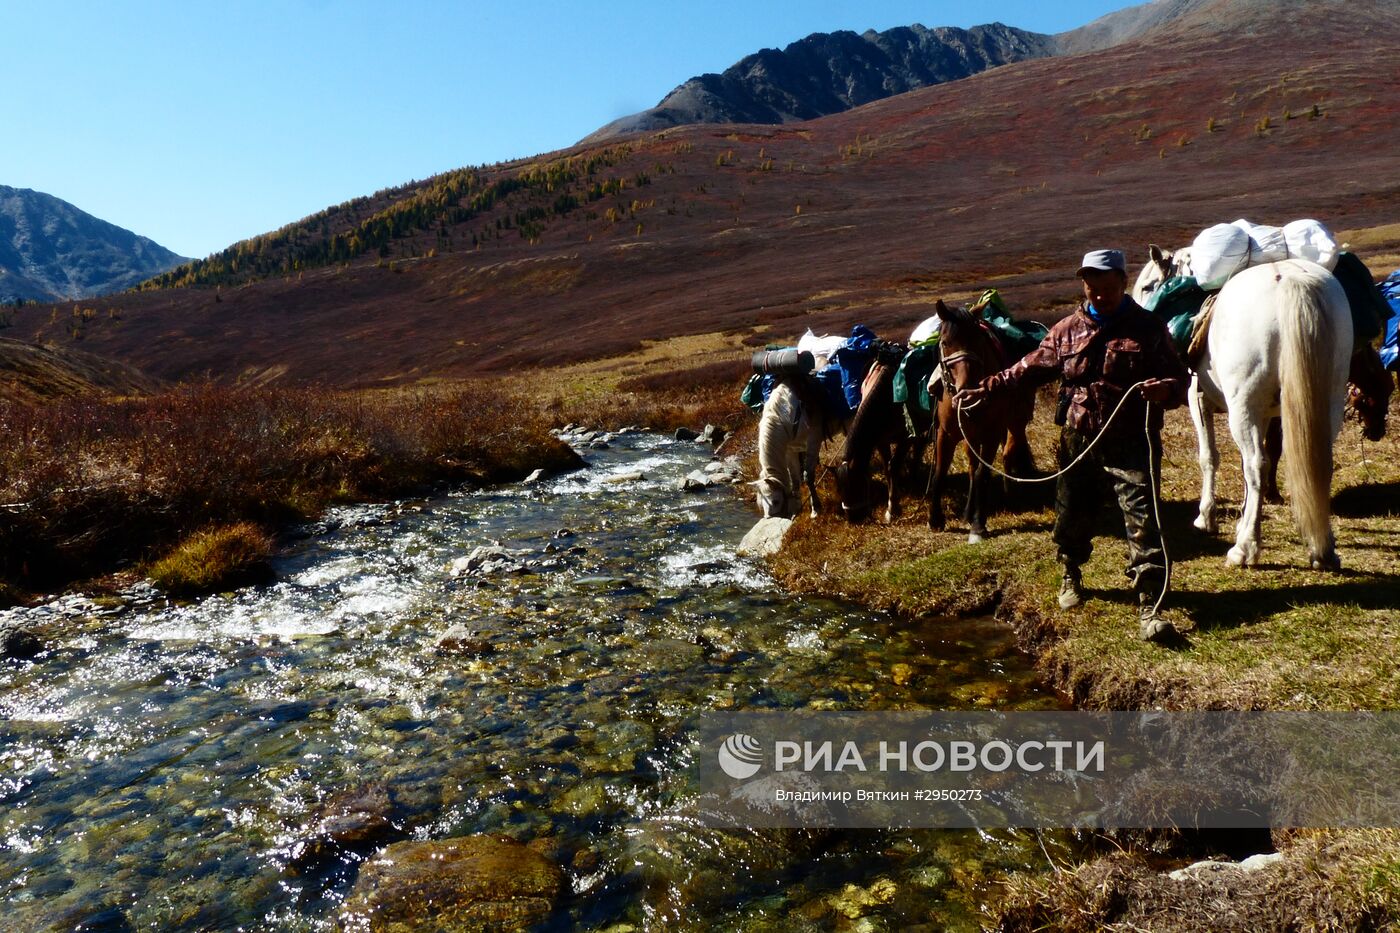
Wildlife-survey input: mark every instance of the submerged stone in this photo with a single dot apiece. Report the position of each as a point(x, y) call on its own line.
point(359, 818)
point(463, 885)
point(461, 640)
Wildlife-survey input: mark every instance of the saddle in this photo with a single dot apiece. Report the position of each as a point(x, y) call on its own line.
point(1200, 330)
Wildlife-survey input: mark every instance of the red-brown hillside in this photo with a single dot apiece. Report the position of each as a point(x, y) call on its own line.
point(1267, 111)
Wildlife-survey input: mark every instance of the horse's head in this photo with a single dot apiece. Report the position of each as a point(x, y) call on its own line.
point(773, 498)
point(1162, 264)
point(967, 352)
point(1368, 392)
point(853, 486)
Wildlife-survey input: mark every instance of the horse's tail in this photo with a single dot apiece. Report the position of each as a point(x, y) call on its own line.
point(1308, 335)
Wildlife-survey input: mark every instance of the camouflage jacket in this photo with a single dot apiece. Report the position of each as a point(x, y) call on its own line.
point(1097, 364)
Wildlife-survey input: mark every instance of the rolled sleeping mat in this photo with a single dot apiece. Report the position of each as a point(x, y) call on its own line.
point(789, 362)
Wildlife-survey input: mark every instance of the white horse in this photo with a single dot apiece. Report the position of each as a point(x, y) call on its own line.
point(1279, 343)
point(790, 434)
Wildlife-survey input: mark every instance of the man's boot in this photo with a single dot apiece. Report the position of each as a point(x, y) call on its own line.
point(1152, 627)
point(1071, 588)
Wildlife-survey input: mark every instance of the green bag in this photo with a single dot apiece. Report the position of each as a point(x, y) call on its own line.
point(911, 380)
point(1180, 294)
point(1180, 329)
point(1019, 337)
point(752, 396)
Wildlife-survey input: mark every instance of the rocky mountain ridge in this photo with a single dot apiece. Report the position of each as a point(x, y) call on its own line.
point(828, 73)
point(51, 251)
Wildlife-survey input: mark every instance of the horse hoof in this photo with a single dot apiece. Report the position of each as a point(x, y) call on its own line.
point(1205, 524)
point(1330, 562)
point(1238, 558)
point(974, 538)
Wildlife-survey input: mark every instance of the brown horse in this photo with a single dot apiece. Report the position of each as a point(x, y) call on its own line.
point(879, 426)
point(970, 353)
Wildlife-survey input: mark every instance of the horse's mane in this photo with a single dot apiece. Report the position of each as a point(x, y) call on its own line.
point(970, 330)
point(960, 317)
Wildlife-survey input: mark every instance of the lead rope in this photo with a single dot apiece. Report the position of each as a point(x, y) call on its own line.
point(1151, 473)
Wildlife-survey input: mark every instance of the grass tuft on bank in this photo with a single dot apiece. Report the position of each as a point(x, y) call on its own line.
point(214, 559)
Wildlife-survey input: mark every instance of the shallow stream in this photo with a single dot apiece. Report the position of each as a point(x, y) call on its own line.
point(166, 766)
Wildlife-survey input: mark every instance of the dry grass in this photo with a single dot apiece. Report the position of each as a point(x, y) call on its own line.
point(89, 485)
point(667, 384)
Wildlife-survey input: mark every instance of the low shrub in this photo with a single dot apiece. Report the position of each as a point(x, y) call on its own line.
point(215, 559)
point(89, 485)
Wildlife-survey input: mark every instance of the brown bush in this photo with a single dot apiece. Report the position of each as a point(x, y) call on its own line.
point(86, 484)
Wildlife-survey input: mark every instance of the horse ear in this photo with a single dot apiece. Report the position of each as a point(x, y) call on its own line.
point(1155, 251)
point(941, 310)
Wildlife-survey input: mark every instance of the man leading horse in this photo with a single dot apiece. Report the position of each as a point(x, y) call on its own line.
point(1118, 372)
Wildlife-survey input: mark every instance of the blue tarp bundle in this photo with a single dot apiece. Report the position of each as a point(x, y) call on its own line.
point(840, 379)
point(1390, 348)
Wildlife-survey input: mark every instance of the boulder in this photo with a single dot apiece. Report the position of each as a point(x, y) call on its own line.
point(20, 640)
point(765, 538)
point(473, 883)
point(686, 434)
point(1199, 871)
point(487, 559)
point(695, 479)
point(714, 436)
point(461, 640)
point(629, 477)
point(727, 470)
point(354, 820)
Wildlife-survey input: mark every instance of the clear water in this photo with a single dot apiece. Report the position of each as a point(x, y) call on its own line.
point(165, 765)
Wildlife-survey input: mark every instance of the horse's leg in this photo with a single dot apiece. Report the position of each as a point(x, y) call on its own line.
point(979, 485)
point(792, 481)
point(944, 444)
point(1208, 455)
point(810, 460)
point(1273, 449)
point(891, 477)
point(1248, 432)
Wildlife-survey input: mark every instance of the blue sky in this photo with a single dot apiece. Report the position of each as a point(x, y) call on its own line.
point(199, 124)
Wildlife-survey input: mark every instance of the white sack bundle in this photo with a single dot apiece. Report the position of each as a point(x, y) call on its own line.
point(1266, 244)
point(1218, 253)
point(1308, 239)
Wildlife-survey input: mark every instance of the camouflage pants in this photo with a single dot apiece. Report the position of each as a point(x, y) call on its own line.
point(1123, 464)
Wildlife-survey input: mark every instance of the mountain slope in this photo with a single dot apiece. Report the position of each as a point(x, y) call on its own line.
point(1003, 179)
point(33, 373)
point(51, 250)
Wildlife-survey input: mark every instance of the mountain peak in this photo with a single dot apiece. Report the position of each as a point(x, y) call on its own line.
point(51, 250)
